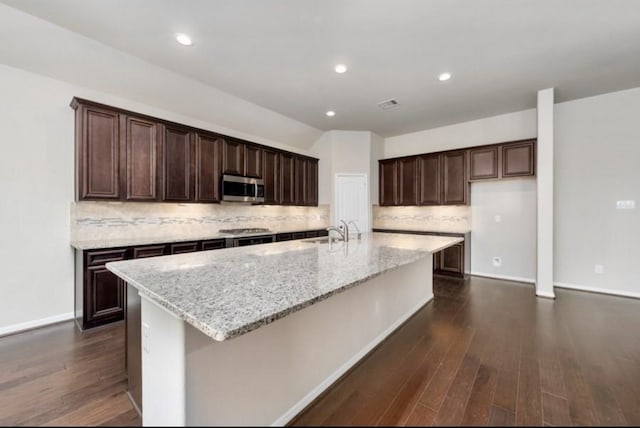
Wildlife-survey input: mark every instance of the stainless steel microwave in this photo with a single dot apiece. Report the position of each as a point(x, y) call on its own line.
point(237, 188)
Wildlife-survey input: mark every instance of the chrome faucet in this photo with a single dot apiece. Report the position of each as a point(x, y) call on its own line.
point(346, 230)
point(337, 229)
point(357, 228)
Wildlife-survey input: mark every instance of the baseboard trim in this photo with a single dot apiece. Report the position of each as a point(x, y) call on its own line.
point(597, 290)
point(30, 325)
point(546, 295)
point(315, 392)
point(505, 277)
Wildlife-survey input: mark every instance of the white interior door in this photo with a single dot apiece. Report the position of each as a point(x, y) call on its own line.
point(352, 201)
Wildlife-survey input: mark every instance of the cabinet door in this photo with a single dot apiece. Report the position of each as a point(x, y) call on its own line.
point(271, 176)
point(312, 182)
point(452, 260)
point(98, 150)
point(207, 168)
point(233, 157)
point(518, 159)
point(141, 143)
point(300, 180)
point(483, 163)
point(287, 178)
point(388, 171)
point(429, 188)
point(177, 158)
point(253, 161)
point(455, 186)
point(104, 292)
point(408, 180)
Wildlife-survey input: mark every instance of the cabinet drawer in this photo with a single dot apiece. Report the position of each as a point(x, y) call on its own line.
point(185, 247)
point(298, 235)
point(215, 244)
point(284, 237)
point(97, 258)
point(312, 234)
point(149, 251)
point(243, 242)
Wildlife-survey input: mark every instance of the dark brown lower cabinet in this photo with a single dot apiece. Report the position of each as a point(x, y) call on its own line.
point(184, 247)
point(451, 260)
point(102, 296)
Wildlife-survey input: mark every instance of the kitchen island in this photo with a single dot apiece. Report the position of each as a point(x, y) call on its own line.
point(250, 336)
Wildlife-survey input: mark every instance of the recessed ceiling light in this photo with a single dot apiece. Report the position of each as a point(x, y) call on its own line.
point(331, 113)
point(183, 39)
point(340, 68)
point(444, 76)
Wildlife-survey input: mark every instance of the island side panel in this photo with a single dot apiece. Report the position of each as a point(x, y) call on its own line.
point(163, 366)
point(269, 375)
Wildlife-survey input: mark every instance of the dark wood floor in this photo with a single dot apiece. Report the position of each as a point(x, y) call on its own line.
point(59, 376)
point(488, 352)
point(483, 352)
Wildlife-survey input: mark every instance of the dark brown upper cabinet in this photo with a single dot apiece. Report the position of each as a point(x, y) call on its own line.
point(518, 159)
point(429, 192)
point(142, 153)
point(252, 161)
point(178, 154)
point(271, 176)
point(233, 157)
point(98, 151)
point(408, 181)
point(300, 180)
point(483, 163)
point(388, 190)
point(455, 185)
point(287, 177)
point(312, 182)
point(127, 156)
point(208, 168)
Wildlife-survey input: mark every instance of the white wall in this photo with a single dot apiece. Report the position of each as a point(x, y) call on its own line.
point(507, 127)
point(489, 239)
point(36, 184)
point(597, 152)
point(513, 238)
point(346, 152)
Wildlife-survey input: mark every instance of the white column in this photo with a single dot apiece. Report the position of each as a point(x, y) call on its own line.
point(544, 281)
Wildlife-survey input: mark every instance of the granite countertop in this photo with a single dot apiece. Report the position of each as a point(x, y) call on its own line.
point(94, 244)
point(225, 294)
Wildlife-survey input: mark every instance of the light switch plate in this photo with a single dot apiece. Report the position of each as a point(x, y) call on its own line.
point(497, 218)
point(625, 205)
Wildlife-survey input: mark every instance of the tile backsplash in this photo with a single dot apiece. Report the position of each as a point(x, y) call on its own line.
point(114, 220)
point(435, 218)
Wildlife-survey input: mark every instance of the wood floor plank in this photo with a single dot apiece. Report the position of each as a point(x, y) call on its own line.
point(501, 417)
point(452, 410)
point(556, 410)
point(529, 400)
point(421, 416)
point(435, 392)
point(478, 409)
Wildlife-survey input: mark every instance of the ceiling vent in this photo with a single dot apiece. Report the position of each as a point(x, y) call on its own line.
point(387, 104)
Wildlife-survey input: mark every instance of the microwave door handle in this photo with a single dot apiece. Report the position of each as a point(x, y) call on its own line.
point(255, 190)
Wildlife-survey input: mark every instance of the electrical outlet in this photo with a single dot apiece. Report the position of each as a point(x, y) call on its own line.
point(497, 218)
point(497, 261)
point(625, 205)
point(599, 269)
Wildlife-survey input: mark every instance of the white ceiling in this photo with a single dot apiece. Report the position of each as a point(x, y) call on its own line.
point(280, 53)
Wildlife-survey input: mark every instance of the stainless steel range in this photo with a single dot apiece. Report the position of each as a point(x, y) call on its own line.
point(252, 236)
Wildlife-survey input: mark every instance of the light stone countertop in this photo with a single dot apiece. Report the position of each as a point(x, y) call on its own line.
point(95, 244)
point(227, 293)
